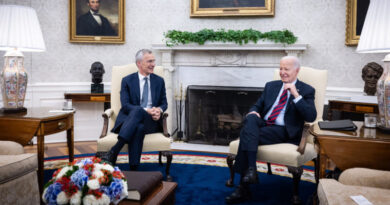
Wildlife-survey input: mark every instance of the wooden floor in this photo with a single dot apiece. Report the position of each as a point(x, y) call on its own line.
point(61, 149)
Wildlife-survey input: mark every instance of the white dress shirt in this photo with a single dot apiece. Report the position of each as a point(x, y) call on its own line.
point(280, 119)
point(96, 17)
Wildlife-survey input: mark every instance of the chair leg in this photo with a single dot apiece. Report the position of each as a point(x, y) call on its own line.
point(297, 173)
point(168, 155)
point(159, 158)
point(229, 160)
point(269, 172)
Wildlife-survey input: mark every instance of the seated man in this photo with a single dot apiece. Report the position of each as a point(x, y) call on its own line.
point(143, 101)
point(277, 117)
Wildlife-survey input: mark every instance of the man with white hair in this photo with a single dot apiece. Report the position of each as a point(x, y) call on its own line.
point(277, 117)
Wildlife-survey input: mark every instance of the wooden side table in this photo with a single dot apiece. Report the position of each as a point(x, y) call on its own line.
point(164, 195)
point(22, 127)
point(90, 97)
point(355, 104)
point(366, 147)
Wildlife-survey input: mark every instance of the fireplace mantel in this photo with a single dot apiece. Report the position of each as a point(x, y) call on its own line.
point(264, 55)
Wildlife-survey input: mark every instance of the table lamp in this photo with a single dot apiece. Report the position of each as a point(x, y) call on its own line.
point(20, 31)
point(375, 38)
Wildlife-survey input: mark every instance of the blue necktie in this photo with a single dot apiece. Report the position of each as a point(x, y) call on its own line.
point(145, 94)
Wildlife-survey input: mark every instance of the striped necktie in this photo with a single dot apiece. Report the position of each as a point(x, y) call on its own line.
point(277, 109)
point(145, 94)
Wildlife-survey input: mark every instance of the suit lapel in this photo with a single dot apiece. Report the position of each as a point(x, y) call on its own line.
point(153, 87)
point(298, 86)
point(135, 85)
point(92, 20)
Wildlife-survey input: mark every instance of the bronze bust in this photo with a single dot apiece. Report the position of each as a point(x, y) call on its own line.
point(370, 74)
point(97, 71)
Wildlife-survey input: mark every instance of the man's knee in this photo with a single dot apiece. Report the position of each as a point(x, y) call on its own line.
point(138, 112)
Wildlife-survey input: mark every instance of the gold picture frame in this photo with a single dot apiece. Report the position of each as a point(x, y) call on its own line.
point(84, 29)
point(212, 8)
point(355, 15)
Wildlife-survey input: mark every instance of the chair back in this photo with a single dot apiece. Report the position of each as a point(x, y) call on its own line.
point(318, 79)
point(118, 73)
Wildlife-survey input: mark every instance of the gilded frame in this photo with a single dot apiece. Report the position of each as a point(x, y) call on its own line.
point(355, 16)
point(267, 10)
point(119, 25)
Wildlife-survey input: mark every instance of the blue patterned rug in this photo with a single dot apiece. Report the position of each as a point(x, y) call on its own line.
point(201, 178)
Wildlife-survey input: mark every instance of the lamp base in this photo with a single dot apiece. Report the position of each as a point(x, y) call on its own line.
point(13, 110)
point(384, 129)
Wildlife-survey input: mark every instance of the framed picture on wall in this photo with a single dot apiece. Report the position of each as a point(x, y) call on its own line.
point(209, 8)
point(95, 21)
point(356, 14)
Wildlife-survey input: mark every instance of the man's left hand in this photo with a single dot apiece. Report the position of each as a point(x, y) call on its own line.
point(293, 90)
point(156, 113)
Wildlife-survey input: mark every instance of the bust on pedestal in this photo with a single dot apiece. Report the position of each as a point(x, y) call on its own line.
point(97, 71)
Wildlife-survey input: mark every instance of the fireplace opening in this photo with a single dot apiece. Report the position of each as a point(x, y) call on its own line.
point(214, 114)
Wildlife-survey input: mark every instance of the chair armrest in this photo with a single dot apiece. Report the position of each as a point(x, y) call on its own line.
point(164, 125)
point(106, 115)
point(302, 143)
point(10, 148)
point(366, 177)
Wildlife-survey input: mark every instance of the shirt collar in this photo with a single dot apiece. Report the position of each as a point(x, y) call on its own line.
point(142, 77)
point(93, 13)
point(295, 81)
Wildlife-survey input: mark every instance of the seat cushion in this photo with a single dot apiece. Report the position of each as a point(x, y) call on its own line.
point(152, 142)
point(14, 166)
point(333, 192)
point(283, 153)
point(9, 147)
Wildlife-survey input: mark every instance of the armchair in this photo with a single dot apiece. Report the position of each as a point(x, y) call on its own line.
point(373, 184)
point(18, 175)
point(289, 154)
point(152, 142)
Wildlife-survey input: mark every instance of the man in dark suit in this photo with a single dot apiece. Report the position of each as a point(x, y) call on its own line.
point(92, 23)
point(143, 101)
point(277, 117)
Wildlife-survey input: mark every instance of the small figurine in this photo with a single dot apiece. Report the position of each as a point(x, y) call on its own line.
point(97, 71)
point(370, 74)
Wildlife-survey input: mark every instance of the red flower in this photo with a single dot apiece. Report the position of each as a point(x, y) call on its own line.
point(96, 193)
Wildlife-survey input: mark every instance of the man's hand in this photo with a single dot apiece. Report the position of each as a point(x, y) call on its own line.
point(155, 112)
point(254, 112)
point(293, 90)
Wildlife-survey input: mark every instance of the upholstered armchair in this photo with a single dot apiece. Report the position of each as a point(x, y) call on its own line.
point(18, 175)
point(152, 142)
point(373, 184)
point(287, 154)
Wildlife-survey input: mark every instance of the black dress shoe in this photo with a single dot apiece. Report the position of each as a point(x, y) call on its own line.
point(109, 157)
point(241, 194)
point(251, 176)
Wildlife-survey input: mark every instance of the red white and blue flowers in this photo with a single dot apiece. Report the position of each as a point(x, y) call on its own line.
point(88, 181)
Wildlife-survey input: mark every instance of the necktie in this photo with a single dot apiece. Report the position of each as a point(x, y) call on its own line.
point(277, 109)
point(145, 93)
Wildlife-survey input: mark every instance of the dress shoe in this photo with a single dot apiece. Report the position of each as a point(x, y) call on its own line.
point(251, 176)
point(109, 157)
point(241, 194)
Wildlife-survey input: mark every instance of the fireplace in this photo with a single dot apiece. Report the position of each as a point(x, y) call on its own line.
point(214, 114)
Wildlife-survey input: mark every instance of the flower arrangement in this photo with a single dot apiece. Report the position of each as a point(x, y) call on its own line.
point(88, 181)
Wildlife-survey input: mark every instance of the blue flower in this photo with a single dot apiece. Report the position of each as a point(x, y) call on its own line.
point(79, 178)
point(52, 192)
point(85, 161)
point(114, 190)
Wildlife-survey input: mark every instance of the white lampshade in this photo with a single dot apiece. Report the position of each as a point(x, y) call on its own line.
point(19, 28)
point(375, 36)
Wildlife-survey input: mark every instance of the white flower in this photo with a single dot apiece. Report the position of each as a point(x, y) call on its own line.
point(98, 174)
point(62, 198)
point(108, 167)
point(76, 198)
point(124, 190)
point(43, 196)
point(93, 184)
point(62, 172)
point(92, 200)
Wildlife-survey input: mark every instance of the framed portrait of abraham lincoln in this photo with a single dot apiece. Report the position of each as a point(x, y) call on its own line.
point(211, 8)
point(97, 21)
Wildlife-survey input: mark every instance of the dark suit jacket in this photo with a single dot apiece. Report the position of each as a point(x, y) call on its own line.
point(87, 25)
point(130, 96)
point(296, 113)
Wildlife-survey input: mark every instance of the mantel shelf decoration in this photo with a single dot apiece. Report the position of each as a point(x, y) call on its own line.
point(175, 37)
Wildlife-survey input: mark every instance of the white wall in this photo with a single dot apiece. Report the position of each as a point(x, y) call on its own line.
point(318, 23)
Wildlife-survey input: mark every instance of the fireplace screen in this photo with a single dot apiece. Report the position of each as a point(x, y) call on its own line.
point(214, 114)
